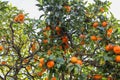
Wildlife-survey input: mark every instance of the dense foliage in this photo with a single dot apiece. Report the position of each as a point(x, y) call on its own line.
point(71, 40)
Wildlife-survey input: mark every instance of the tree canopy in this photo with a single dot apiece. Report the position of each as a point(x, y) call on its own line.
point(71, 40)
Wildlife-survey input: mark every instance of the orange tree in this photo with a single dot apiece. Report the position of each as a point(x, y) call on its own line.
point(72, 40)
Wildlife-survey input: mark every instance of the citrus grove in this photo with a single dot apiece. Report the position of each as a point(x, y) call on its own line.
point(71, 40)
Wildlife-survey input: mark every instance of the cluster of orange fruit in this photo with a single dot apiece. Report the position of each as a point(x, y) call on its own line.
point(58, 30)
point(50, 63)
point(95, 38)
point(75, 60)
point(115, 49)
point(104, 24)
point(19, 18)
point(96, 24)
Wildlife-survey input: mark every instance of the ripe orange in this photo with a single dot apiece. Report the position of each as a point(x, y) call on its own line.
point(94, 38)
point(58, 29)
point(95, 24)
point(109, 78)
point(79, 62)
point(46, 78)
point(41, 60)
point(45, 33)
point(99, 38)
point(74, 59)
point(104, 23)
point(68, 8)
point(28, 67)
point(60, 47)
point(40, 65)
point(66, 46)
point(101, 9)
point(33, 48)
point(25, 60)
point(16, 19)
point(1, 48)
point(21, 17)
point(53, 78)
point(49, 52)
point(50, 64)
point(65, 39)
point(45, 41)
point(39, 73)
point(82, 36)
point(48, 28)
point(109, 32)
point(116, 49)
point(117, 58)
point(82, 42)
point(97, 77)
point(58, 33)
point(3, 62)
point(109, 47)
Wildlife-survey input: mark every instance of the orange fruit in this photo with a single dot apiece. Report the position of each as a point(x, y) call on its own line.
point(33, 48)
point(21, 17)
point(101, 9)
point(82, 36)
point(74, 59)
point(40, 65)
point(104, 23)
point(117, 58)
point(116, 49)
point(109, 78)
point(41, 60)
point(99, 38)
point(49, 52)
point(82, 42)
point(109, 47)
point(66, 46)
point(16, 19)
point(3, 62)
point(45, 41)
point(109, 32)
point(25, 60)
point(67, 8)
point(58, 33)
point(28, 67)
point(95, 24)
point(58, 28)
point(50, 64)
point(39, 73)
point(94, 38)
point(97, 77)
point(53, 78)
point(60, 47)
point(79, 62)
point(48, 28)
point(45, 33)
point(46, 78)
point(65, 39)
point(43, 70)
point(1, 48)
